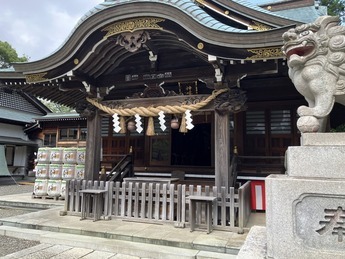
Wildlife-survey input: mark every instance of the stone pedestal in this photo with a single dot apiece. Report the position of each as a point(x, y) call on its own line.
point(305, 208)
point(304, 217)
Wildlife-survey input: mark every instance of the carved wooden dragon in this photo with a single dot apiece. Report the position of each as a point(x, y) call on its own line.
point(316, 59)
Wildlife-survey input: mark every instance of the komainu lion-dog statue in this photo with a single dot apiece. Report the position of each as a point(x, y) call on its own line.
point(316, 59)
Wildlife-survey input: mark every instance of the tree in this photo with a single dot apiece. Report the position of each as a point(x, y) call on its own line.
point(334, 7)
point(9, 55)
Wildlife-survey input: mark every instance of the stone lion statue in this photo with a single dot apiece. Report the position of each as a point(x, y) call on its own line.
point(316, 59)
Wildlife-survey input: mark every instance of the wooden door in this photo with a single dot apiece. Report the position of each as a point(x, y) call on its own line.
point(115, 145)
point(268, 132)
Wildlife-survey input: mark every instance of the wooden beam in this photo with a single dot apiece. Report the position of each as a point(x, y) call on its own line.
point(161, 101)
point(222, 150)
point(93, 147)
point(127, 80)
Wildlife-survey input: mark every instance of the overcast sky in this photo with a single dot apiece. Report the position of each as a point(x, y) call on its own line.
point(37, 28)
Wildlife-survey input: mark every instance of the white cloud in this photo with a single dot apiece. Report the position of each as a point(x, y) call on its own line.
point(37, 28)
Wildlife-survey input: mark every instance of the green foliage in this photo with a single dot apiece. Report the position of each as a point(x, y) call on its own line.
point(340, 128)
point(56, 108)
point(9, 55)
point(334, 7)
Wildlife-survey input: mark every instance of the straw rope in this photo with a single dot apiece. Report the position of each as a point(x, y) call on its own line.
point(153, 111)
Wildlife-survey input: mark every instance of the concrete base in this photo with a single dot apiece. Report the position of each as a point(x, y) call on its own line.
point(323, 139)
point(305, 209)
point(305, 217)
point(255, 245)
point(316, 161)
point(321, 155)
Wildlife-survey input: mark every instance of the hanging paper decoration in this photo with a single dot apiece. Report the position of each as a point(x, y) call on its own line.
point(116, 123)
point(138, 123)
point(189, 124)
point(162, 120)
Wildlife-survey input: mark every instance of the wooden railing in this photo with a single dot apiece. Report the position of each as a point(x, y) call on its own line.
point(124, 168)
point(244, 197)
point(260, 165)
point(149, 202)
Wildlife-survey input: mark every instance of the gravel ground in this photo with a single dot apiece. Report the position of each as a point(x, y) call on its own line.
point(10, 245)
point(15, 189)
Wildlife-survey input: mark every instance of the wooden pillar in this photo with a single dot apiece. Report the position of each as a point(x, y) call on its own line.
point(93, 147)
point(222, 150)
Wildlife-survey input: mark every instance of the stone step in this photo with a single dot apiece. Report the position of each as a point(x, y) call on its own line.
point(142, 250)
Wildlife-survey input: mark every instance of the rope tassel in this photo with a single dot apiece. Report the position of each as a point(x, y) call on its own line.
point(122, 125)
point(183, 128)
point(150, 131)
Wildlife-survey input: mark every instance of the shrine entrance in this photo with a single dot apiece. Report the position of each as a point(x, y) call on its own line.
point(166, 148)
point(194, 148)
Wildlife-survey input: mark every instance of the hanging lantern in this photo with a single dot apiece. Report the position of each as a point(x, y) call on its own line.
point(174, 123)
point(131, 125)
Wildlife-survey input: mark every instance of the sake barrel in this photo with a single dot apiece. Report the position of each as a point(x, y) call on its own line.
point(40, 187)
point(43, 155)
point(55, 171)
point(81, 155)
point(79, 172)
point(54, 188)
point(56, 155)
point(69, 155)
point(68, 171)
point(42, 171)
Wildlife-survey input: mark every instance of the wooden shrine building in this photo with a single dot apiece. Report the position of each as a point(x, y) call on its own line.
point(183, 84)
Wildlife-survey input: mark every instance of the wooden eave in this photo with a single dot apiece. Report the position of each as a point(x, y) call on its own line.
point(11, 75)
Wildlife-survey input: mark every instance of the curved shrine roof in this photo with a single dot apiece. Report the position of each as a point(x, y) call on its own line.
point(186, 34)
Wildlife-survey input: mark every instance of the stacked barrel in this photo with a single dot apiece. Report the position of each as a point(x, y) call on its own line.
point(55, 166)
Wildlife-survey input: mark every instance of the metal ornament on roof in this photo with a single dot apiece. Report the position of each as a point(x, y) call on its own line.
point(132, 41)
point(132, 25)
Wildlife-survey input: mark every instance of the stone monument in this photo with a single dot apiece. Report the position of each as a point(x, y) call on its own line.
point(305, 214)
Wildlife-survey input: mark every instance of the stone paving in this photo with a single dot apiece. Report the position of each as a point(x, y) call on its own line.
point(11, 244)
point(21, 228)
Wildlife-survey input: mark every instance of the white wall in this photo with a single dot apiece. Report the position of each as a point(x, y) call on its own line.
point(12, 131)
